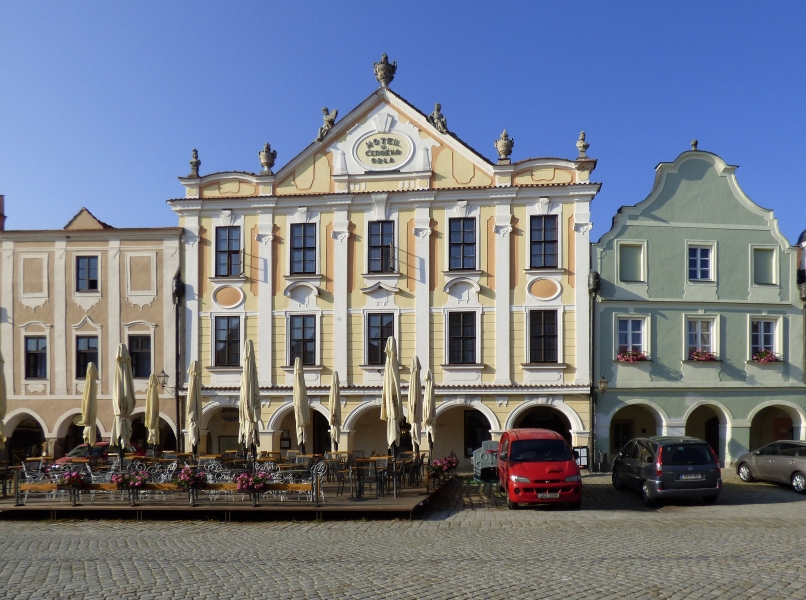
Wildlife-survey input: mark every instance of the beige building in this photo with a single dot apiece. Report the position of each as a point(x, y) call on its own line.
point(69, 297)
point(389, 224)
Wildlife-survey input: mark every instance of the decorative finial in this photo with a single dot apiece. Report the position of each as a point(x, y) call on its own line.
point(267, 158)
point(195, 163)
point(582, 146)
point(504, 146)
point(385, 71)
point(694, 145)
point(330, 121)
point(437, 119)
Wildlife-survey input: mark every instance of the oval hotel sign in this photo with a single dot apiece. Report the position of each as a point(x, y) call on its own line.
point(383, 151)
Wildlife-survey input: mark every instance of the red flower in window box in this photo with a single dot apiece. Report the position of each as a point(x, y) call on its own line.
point(631, 356)
point(765, 356)
point(702, 356)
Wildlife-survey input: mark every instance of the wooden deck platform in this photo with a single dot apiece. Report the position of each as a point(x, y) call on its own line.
point(410, 501)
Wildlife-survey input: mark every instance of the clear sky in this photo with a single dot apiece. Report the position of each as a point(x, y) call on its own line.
point(102, 102)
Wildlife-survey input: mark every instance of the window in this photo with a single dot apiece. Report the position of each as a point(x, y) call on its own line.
point(303, 339)
point(86, 353)
point(227, 341)
point(630, 261)
point(543, 336)
point(544, 242)
point(699, 263)
point(763, 266)
point(228, 252)
point(462, 338)
point(462, 244)
point(86, 273)
point(36, 358)
point(700, 335)
point(762, 336)
point(477, 430)
point(630, 335)
point(620, 436)
point(140, 351)
point(380, 326)
point(303, 248)
point(381, 246)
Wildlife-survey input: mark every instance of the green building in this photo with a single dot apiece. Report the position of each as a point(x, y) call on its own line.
point(699, 328)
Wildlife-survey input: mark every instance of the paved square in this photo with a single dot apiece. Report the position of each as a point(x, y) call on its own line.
point(748, 545)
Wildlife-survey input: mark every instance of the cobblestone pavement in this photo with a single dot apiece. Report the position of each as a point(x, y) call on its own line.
point(750, 544)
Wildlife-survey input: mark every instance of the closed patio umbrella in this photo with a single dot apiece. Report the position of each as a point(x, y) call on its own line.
point(249, 401)
point(334, 407)
point(3, 402)
point(429, 410)
point(122, 400)
point(415, 402)
point(152, 416)
point(302, 410)
point(89, 404)
point(194, 408)
point(391, 402)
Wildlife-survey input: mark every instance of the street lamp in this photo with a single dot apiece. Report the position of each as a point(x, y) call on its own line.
point(162, 378)
point(602, 385)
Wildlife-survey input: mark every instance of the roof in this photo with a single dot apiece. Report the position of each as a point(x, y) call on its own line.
point(111, 230)
point(87, 218)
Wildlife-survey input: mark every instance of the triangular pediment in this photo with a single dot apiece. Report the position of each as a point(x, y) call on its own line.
point(384, 144)
point(84, 219)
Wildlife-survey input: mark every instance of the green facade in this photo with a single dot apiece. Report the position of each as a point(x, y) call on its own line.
point(698, 266)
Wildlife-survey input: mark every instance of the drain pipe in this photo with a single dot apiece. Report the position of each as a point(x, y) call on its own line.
point(178, 294)
point(594, 285)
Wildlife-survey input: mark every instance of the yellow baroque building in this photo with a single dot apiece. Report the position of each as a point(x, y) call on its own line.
point(389, 224)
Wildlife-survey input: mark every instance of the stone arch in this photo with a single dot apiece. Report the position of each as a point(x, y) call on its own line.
point(280, 414)
point(20, 414)
point(64, 421)
point(355, 414)
point(724, 414)
point(559, 405)
point(474, 403)
point(163, 416)
point(718, 436)
point(660, 415)
point(796, 414)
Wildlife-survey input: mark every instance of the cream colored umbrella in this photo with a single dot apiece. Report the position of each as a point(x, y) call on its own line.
point(249, 402)
point(89, 404)
point(415, 402)
point(302, 410)
point(334, 407)
point(391, 402)
point(3, 403)
point(152, 416)
point(429, 409)
point(122, 400)
point(193, 409)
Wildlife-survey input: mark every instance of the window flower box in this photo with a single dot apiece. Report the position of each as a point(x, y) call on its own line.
point(765, 356)
point(702, 356)
point(631, 356)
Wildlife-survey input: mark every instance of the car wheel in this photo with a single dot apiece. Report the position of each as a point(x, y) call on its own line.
point(575, 505)
point(510, 504)
point(744, 473)
point(645, 495)
point(799, 482)
point(710, 499)
point(617, 481)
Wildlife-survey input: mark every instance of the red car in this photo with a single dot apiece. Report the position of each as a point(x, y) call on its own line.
point(537, 466)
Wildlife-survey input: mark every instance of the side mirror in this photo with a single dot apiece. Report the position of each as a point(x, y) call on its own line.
point(757, 453)
point(503, 456)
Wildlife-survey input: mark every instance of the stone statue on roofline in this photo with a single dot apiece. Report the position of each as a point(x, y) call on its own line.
point(195, 163)
point(503, 146)
point(385, 71)
point(582, 146)
point(437, 119)
point(267, 158)
point(330, 122)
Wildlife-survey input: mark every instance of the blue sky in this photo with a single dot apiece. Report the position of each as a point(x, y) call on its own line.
point(101, 103)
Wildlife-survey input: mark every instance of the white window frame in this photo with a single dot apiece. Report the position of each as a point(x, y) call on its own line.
point(391, 214)
point(301, 217)
point(228, 220)
point(715, 332)
point(147, 328)
point(318, 343)
point(242, 316)
point(461, 211)
point(560, 310)
point(544, 207)
point(26, 330)
point(644, 264)
point(701, 244)
point(646, 338)
point(395, 312)
point(777, 321)
point(776, 268)
point(81, 253)
point(99, 334)
point(446, 337)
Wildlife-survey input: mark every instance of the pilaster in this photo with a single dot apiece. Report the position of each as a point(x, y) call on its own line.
point(503, 357)
point(422, 291)
point(170, 262)
point(60, 318)
point(340, 234)
point(190, 241)
point(581, 241)
point(265, 331)
point(113, 304)
point(7, 321)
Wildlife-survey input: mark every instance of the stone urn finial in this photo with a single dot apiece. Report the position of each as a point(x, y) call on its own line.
point(385, 71)
point(504, 146)
point(582, 146)
point(267, 158)
point(195, 163)
point(694, 145)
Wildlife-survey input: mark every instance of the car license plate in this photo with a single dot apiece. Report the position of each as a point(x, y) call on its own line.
point(554, 495)
point(691, 476)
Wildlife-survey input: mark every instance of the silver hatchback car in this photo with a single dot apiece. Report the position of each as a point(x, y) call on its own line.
point(668, 467)
point(781, 462)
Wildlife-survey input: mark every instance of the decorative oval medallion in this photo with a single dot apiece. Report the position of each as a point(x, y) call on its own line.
point(544, 289)
point(383, 151)
point(228, 296)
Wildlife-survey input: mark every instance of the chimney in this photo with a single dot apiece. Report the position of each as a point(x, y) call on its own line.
point(2, 213)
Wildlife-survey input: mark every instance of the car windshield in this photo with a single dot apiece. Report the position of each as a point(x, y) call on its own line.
point(78, 451)
point(687, 454)
point(540, 450)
